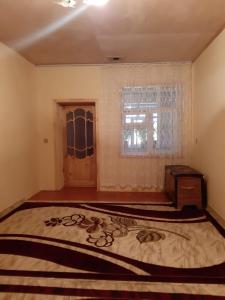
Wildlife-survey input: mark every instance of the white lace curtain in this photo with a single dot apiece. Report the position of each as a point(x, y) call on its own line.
point(145, 121)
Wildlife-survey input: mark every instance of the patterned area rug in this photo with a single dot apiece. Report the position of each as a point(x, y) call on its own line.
point(58, 250)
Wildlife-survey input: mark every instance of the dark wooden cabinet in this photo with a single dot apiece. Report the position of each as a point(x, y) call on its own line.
point(185, 186)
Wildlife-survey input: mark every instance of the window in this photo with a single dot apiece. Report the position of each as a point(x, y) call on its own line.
point(150, 120)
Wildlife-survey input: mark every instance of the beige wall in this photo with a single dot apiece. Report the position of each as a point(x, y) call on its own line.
point(85, 82)
point(59, 83)
point(209, 120)
point(17, 129)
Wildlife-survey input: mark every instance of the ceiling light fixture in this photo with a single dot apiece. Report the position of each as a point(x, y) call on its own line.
point(66, 3)
point(73, 3)
point(96, 2)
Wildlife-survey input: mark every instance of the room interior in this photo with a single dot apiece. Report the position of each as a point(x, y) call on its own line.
point(54, 56)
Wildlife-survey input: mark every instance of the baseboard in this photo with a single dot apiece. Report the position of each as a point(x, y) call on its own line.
point(10, 208)
point(218, 218)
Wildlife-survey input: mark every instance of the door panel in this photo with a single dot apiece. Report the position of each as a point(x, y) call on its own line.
point(80, 151)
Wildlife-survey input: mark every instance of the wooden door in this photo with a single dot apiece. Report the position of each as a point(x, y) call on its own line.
point(80, 150)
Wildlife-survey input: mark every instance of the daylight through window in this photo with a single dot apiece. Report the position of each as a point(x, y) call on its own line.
point(150, 120)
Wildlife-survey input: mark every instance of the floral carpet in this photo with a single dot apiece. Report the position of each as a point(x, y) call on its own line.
point(70, 250)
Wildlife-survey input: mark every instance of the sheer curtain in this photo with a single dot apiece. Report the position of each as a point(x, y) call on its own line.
point(145, 121)
point(151, 120)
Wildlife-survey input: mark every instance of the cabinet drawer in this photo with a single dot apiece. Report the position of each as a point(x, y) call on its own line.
point(189, 190)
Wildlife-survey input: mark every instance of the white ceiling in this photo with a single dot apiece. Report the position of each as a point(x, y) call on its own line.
point(136, 30)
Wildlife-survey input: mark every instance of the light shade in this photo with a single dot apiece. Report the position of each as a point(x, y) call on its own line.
point(96, 2)
point(66, 3)
point(73, 3)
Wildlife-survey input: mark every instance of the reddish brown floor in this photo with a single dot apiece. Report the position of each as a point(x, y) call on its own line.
point(91, 194)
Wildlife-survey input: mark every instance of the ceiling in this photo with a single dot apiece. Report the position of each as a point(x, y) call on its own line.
point(135, 30)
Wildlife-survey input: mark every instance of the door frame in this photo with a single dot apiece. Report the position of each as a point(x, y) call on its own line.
point(58, 144)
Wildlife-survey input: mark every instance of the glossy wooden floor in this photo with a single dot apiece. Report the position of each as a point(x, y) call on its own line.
point(92, 194)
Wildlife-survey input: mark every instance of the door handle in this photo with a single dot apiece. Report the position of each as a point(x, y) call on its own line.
point(187, 187)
